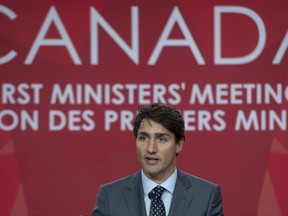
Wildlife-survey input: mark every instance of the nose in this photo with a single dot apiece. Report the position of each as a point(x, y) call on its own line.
point(152, 147)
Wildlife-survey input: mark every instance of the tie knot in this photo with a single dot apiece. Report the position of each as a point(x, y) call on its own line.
point(158, 191)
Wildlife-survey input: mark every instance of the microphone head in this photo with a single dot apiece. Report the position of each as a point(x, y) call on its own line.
point(151, 195)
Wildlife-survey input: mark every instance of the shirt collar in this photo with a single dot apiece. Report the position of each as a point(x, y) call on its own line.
point(148, 184)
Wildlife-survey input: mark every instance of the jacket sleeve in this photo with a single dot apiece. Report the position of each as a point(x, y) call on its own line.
point(101, 206)
point(215, 207)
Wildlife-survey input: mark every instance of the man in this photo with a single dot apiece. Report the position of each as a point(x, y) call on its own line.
point(159, 133)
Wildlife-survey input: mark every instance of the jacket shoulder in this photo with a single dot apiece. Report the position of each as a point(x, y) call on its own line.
point(192, 180)
point(127, 181)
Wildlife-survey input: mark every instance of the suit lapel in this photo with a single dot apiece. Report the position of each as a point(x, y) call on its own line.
point(181, 197)
point(134, 195)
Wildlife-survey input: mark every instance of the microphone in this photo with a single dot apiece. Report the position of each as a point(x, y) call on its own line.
point(151, 196)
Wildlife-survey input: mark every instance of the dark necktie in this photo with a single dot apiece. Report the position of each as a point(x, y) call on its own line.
point(157, 205)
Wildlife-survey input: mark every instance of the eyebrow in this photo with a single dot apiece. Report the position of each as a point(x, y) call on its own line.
point(156, 134)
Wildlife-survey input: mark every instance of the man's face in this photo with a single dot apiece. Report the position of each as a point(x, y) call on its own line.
point(156, 150)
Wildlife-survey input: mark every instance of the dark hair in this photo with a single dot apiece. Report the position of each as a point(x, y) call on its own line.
point(167, 116)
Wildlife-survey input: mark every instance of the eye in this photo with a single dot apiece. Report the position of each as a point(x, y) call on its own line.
point(143, 138)
point(162, 139)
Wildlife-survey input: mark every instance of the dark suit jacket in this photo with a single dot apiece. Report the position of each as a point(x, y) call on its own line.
point(192, 196)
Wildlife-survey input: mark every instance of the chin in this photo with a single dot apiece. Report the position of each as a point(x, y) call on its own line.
point(151, 172)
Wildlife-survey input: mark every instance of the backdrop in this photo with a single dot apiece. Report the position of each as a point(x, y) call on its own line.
point(73, 74)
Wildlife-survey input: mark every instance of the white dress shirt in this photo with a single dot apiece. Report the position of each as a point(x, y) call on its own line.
point(167, 196)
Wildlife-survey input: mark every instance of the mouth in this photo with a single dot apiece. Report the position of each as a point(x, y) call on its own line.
point(151, 160)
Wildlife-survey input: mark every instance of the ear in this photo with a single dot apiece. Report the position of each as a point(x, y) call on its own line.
point(179, 146)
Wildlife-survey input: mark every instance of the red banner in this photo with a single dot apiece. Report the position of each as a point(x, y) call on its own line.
point(73, 74)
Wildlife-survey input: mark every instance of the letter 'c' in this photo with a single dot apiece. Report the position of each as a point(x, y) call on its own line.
point(11, 15)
